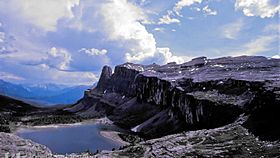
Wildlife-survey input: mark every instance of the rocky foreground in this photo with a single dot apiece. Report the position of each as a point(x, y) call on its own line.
point(225, 107)
point(231, 140)
point(13, 146)
point(228, 141)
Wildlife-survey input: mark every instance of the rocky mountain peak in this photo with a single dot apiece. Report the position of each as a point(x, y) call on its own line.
point(104, 77)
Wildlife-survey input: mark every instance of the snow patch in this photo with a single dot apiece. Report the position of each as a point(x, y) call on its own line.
point(217, 65)
point(135, 129)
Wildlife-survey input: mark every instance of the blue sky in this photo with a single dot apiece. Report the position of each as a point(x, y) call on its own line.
point(68, 41)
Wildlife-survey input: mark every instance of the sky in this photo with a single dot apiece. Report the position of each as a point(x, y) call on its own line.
point(69, 41)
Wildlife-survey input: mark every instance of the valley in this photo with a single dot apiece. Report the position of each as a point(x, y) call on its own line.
point(224, 107)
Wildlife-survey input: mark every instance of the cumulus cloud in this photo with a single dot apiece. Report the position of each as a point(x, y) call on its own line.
point(261, 8)
point(184, 3)
point(171, 16)
point(82, 61)
point(121, 21)
point(118, 21)
point(44, 14)
point(119, 24)
point(58, 58)
point(125, 26)
point(93, 51)
point(209, 11)
point(90, 59)
point(232, 30)
point(168, 19)
point(168, 57)
point(43, 73)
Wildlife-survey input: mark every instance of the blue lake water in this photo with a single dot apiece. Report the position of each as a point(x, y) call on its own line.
point(70, 139)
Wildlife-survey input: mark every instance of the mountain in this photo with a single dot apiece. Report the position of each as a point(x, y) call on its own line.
point(67, 95)
point(155, 100)
point(225, 107)
point(14, 106)
point(10, 109)
point(14, 90)
point(45, 89)
point(47, 94)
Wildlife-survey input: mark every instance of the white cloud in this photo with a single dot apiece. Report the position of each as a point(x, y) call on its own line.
point(196, 9)
point(209, 11)
point(70, 78)
point(272, 28)
point(9, 76)
point(93, 51)
point(2, 37)
point(262, 8)
point(117, 23)
point(184, 3)
point(258, 45)
point(264, 44)
point(232, 30)
point(44, 73)
point(121, 21)
point(277, 56)
point(47, 71)
point(6, 44)
point(167, 56)
point(44, 13)
point(159, 29)
point(167, 19)
point(176, 11)
point(58, 58)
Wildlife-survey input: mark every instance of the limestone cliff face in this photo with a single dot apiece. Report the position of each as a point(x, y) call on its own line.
point(203, 93)
point(104, 78)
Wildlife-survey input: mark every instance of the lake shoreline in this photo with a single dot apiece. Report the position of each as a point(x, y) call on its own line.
point(109, 134)
point(104, 121)
point(114, 136)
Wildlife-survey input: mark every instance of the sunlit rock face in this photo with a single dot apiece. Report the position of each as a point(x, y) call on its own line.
point(158, 100)
point(14, 146)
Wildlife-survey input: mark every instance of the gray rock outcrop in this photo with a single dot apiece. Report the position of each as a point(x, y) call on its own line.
point(231, 140)
point(13, 146)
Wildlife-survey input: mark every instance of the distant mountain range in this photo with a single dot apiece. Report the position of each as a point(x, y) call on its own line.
point(43, 94)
